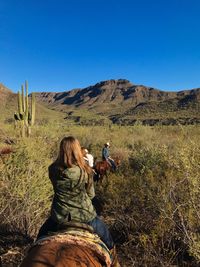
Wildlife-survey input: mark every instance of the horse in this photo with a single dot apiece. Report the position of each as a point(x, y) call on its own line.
point(5, 151)
point(70, 248)
point(102, 168)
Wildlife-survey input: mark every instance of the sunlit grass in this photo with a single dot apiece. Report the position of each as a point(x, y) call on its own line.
point(154, 194)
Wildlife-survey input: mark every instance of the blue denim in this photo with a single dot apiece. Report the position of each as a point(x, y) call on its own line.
point(97, 224)
point(112, 164)
point(102, 231)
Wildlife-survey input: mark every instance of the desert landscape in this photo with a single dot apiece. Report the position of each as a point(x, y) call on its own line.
point(151, 203)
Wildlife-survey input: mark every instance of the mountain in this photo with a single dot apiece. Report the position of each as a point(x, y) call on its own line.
point(114, 101)
point(107, 92)
point(8, 105)
point(122, 102)
point(4, 93)
point(7, 102)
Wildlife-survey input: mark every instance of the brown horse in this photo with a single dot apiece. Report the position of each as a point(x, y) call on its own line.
point(5, 151)
point(102, 168)
point(70, 249)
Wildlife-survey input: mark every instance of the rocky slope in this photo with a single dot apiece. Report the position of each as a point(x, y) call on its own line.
point(120, 101)
point(125, 103)
point(5, 93)
point(116, 92)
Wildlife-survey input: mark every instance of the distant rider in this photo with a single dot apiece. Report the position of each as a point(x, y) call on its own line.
point(106, 156)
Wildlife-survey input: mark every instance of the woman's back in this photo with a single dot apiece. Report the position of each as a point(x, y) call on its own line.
point(72, 201)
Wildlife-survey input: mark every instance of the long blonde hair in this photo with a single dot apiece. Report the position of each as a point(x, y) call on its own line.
point(70, 154)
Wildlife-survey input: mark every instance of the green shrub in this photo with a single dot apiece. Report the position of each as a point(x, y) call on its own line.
point(25, 190)
point(154, 195)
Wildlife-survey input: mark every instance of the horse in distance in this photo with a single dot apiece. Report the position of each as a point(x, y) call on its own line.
point(102, 169)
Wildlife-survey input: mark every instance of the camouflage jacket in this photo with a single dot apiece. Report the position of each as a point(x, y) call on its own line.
point(72, 201)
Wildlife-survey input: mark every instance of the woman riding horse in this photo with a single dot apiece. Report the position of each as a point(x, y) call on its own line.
point(59, 243)
point(72, 182)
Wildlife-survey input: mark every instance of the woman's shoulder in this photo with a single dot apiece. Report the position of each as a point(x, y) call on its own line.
point(72, 171)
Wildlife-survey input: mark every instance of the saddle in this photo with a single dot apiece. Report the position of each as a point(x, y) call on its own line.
point(79, 234)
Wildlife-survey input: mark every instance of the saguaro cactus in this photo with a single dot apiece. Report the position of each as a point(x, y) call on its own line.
point(25, 117)
point(32, 109)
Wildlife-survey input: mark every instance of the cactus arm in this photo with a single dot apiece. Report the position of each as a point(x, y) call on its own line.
point(23, 98)
point(26, 103)
point(32, 109)
point(20, 110)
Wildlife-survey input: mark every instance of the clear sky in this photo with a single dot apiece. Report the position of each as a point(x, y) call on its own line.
point(59, 45)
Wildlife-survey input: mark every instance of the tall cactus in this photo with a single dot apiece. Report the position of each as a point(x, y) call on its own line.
point(32, 109)
point(26, 103)
point(25, 117)
point(23, 98)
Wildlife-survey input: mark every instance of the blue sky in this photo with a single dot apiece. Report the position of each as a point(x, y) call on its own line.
point(59, 45)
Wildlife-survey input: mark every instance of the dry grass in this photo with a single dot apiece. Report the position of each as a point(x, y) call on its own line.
point(153, 198)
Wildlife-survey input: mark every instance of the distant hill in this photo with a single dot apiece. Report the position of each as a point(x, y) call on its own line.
point(8, 101)
point(8, 105)
point(119, 101)
point(4, 94)
point(107, 92)
point(122, 102)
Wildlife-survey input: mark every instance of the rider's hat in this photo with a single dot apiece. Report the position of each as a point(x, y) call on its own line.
point(108, 144)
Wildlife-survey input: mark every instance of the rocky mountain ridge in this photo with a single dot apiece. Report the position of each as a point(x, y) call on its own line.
point(120, 101)
point(115, 92)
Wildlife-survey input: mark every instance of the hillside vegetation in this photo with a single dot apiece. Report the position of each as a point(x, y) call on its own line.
point(124, 103)
point(151, 202)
